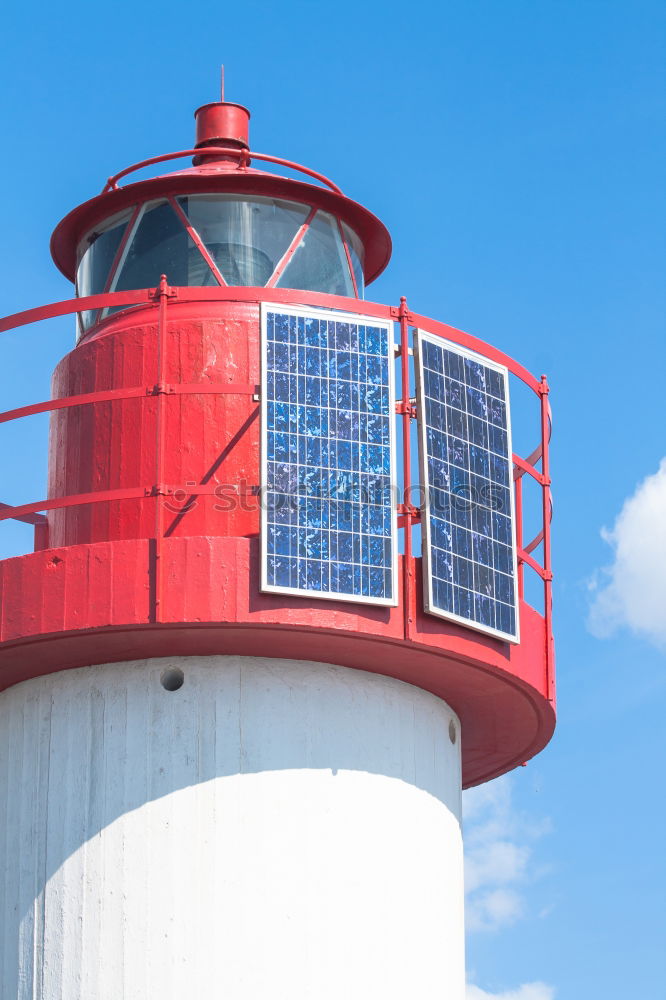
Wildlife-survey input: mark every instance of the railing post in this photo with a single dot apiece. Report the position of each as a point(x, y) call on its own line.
point(41, 538)
point(546, 509)
point(408, 568)
point(518, 499)
point(162, 293)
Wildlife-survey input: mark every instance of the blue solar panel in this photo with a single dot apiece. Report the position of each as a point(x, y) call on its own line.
point(469, 558)
point(328, 416)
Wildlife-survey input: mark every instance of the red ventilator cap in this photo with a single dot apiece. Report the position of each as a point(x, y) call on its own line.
point(222, 124)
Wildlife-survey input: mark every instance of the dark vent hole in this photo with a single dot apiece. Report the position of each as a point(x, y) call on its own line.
point(172, 679)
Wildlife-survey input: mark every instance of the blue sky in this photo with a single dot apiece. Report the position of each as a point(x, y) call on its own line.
point(515, 151)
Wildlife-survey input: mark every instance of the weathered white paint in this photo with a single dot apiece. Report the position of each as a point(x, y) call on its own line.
point(274, 829)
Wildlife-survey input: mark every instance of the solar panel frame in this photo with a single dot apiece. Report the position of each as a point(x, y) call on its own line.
point(356, 319)
point(430, 605)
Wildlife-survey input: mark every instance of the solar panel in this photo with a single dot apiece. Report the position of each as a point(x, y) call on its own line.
point(469, 552)
point(328, 417)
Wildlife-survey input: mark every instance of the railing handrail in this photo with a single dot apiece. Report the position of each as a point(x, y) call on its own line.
point(244, 157)
point(14, 514)
point(248, 293)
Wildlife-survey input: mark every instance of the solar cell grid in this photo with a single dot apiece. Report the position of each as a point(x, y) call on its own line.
point(468, 537)
point(327, 432)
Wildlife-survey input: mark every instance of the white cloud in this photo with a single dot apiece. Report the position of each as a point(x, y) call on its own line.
point(498, 856)
point(529, 991)
point(632, 591)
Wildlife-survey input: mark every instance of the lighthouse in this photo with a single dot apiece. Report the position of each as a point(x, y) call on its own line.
point(275, 619)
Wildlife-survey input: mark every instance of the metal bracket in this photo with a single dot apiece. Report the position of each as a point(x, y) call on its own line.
point(409, 408)
point(161, 389)
point(163, 290)
point(408, 510)
point(252, 490)
point(401, 312)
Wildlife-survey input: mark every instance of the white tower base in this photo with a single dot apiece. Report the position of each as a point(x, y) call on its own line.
point(272, 830)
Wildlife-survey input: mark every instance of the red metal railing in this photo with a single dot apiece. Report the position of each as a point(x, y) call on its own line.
point(160, 297)
point(244, 157)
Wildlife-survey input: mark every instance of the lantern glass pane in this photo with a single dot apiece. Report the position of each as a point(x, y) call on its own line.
point(246, 237)
point(160, 245)
point(96, 256)
point(320, 263)
point(357, 254)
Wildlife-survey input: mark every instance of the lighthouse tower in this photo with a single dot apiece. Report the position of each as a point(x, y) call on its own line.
point(275, 620)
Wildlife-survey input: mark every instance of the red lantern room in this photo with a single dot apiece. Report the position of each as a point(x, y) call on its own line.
point(155, 537)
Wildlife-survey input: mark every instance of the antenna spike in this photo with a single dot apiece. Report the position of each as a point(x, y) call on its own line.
point(222, 83)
